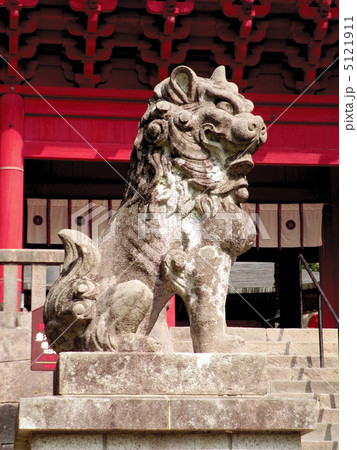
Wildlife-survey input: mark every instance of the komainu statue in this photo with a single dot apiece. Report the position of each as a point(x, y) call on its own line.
point(181, 225)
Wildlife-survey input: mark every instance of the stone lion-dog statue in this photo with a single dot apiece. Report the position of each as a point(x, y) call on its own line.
point(180, 227)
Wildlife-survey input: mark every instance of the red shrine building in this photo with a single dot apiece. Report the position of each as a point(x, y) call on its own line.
point(75, 76)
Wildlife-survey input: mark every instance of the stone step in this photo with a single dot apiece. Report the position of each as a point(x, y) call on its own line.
point(325, 402)
point(301, 334)
point(288, 348)
point(329, 400)
point(324, 432)
point(328, 415)
point(300, 361)
point(183, 346)
point(295, 395)
point(268, 334)
point(317, 387)
point(272, 348)
point(326, 445)
point(302, 373)
point(327, 374)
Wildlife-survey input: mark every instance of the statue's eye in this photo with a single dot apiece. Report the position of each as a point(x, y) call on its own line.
point(225, 106)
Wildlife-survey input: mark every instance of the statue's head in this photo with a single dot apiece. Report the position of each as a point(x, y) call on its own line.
point(202, 128)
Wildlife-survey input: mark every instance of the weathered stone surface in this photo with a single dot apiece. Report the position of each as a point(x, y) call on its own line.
point(93, 413)
point(302, 373)
point(17, 380)
point(291, 348)
point(328, 416)
point(329, 400)
point(15, 344)
point(181, 225)
point(174, 441)
point(171, 441)
point(29, 256)
point(268, 334)
point(38, 285)
point(301, 335)
point(15, 319)
point(316, 374)
point(324, 432)
point(243, 414)
point(326, 445)
point(69, 442)
point(300, 361)
point(8, 414)
point(10, 288)
point(166, 413)
point(104, 373)
point(198, 441)
point(318, 387)
point(262, 441)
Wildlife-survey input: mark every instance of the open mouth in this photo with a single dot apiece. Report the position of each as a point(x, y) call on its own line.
point(240, 166)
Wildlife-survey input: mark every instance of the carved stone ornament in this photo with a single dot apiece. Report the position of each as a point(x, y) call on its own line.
point(181, 225)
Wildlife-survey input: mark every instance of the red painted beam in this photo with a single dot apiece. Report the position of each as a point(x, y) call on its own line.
point(77, 151)
point(301, 130)
point(296, 157)
point(113, 152)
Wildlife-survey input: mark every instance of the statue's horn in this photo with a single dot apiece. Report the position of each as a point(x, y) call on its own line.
point(219, 74)
point(79, 247)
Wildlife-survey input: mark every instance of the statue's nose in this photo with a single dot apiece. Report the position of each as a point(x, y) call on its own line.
point(248, 127)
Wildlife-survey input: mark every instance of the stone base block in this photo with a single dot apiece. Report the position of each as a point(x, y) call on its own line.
point(99, 373)
point(164, 413)
point(181, 441)
point(163, 401)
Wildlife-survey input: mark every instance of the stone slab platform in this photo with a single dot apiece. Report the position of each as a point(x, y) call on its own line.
point(99, 373)
point(168, 441)
point(165, 414)
point(153, 400)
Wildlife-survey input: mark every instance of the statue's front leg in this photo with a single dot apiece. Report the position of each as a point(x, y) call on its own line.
point(200, 277)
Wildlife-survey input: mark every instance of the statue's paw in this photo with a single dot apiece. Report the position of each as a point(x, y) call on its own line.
point(136, 343)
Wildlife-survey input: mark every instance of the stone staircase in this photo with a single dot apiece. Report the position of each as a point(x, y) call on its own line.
point(293, 368)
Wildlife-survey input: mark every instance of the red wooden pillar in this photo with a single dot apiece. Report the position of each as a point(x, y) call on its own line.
point(11, 174)
point(170, 313)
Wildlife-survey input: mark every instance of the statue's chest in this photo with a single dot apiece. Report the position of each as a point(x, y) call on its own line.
point(233, 232)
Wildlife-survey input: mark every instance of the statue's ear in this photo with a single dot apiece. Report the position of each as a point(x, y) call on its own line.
point(183, 82)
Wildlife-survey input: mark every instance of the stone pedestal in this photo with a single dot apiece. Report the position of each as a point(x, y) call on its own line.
point(163, 401)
